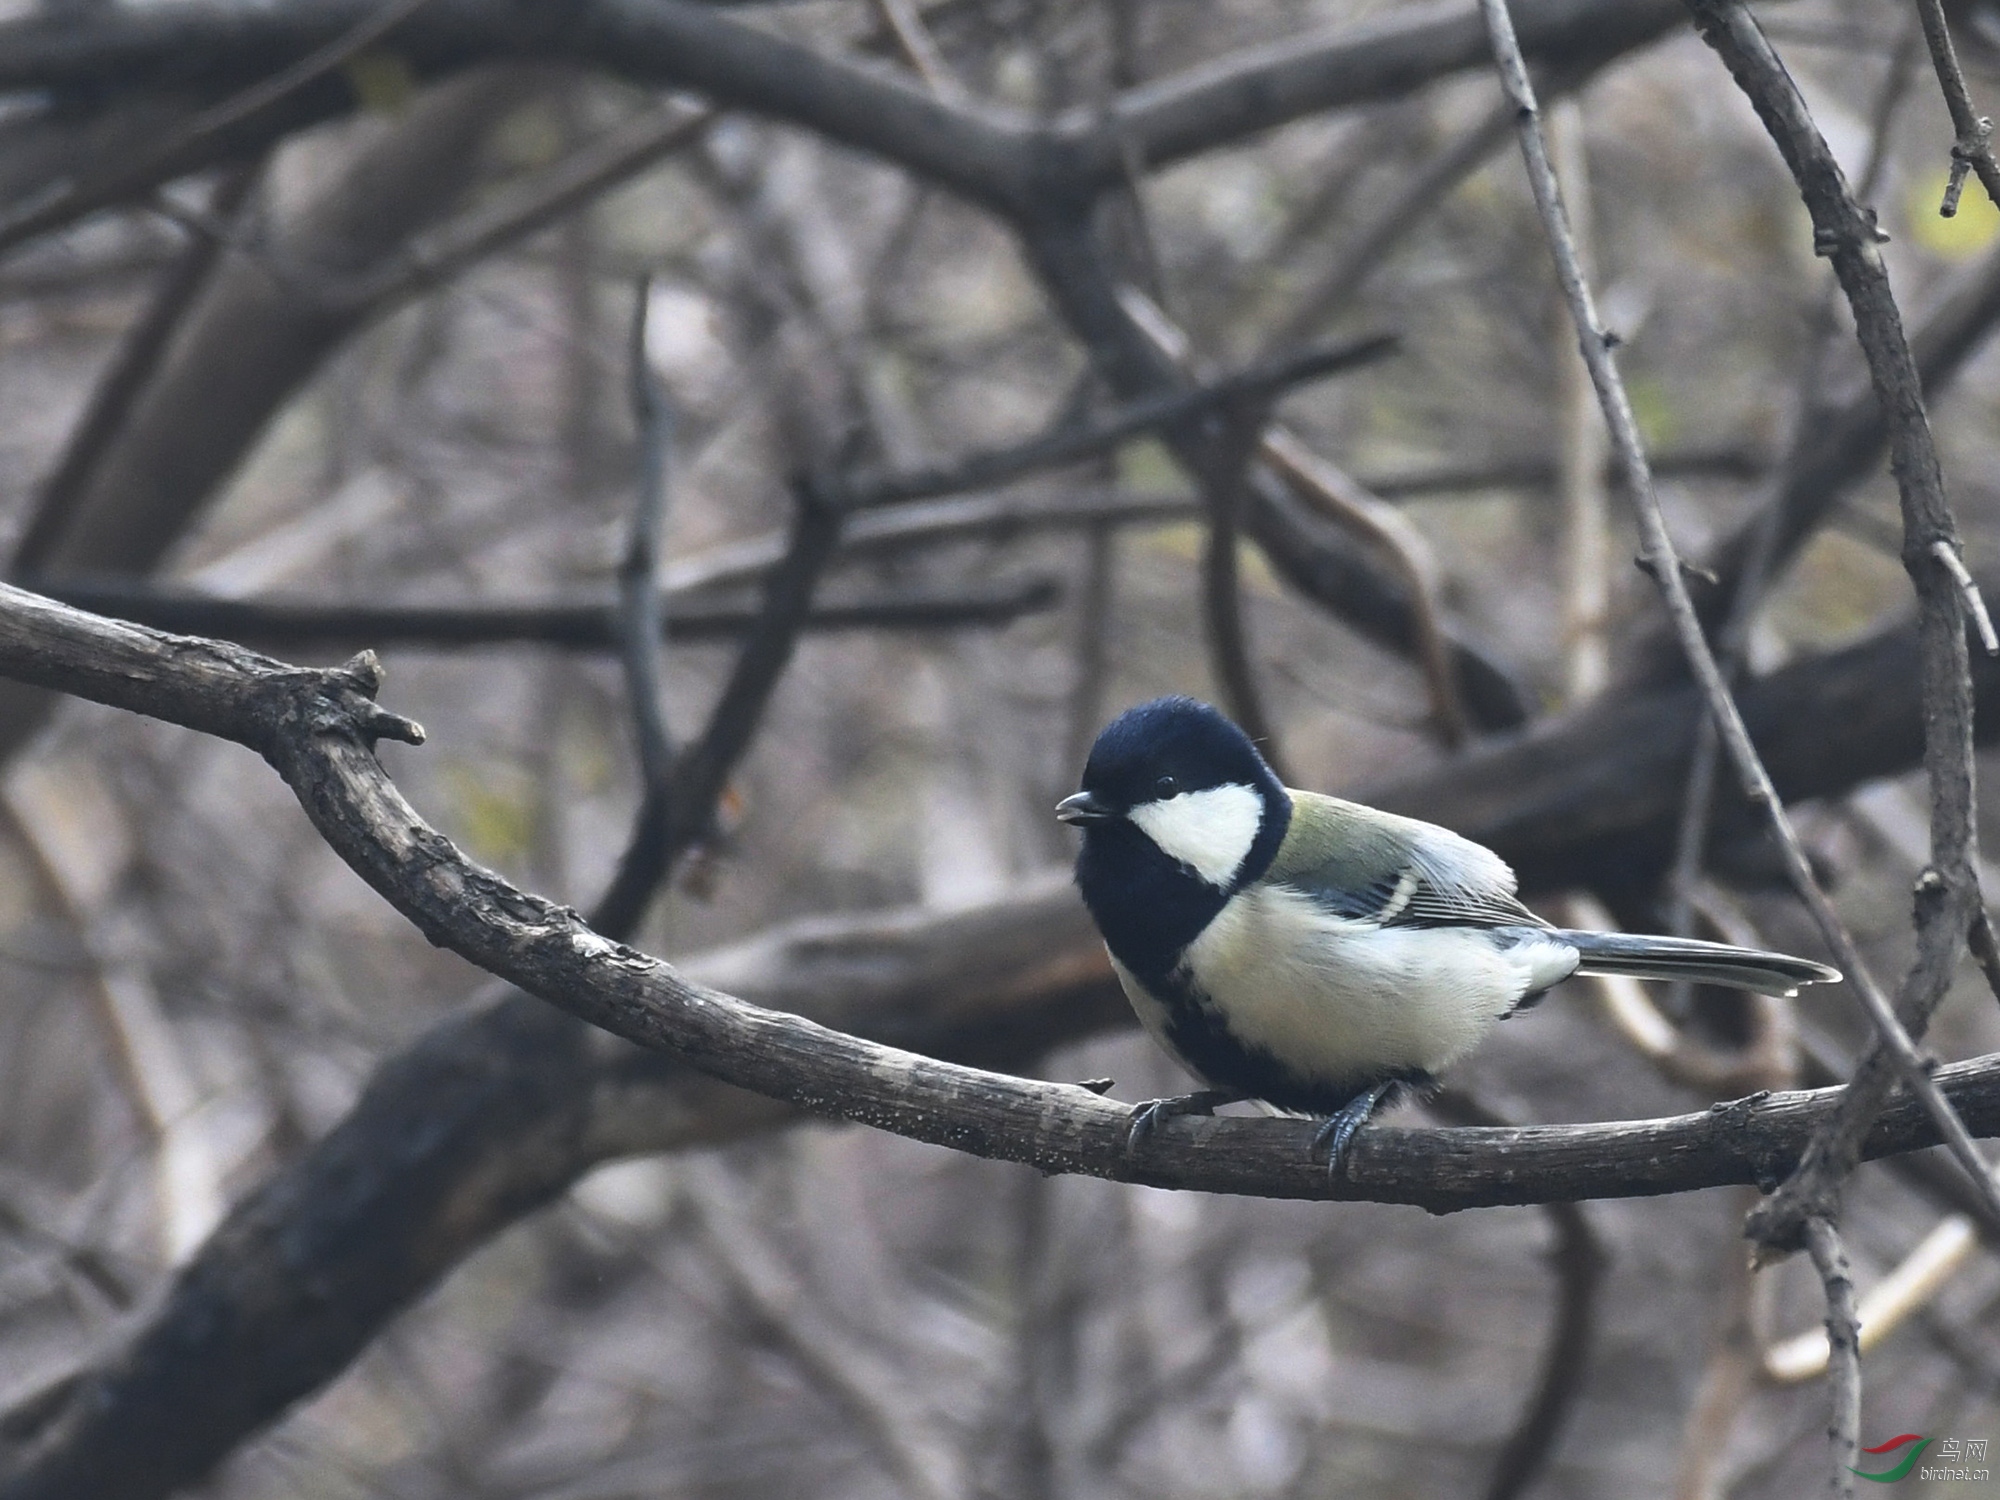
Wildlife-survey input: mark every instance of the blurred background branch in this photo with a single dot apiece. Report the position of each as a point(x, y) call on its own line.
point(314, 321)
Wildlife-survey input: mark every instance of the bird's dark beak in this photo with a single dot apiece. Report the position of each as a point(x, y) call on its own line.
point(1084, 808)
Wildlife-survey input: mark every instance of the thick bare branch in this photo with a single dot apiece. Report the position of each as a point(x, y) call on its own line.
point(1347, 64)
point(263, 109)
point(485, 1120)
point(1002, 160)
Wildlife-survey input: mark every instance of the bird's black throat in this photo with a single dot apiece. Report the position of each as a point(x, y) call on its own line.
point(1147, 904)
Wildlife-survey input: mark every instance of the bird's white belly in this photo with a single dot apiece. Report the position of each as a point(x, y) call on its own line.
point(1338, 999)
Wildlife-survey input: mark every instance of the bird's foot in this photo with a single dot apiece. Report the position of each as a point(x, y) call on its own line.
point(1147, 1117)
point(1337, 1133)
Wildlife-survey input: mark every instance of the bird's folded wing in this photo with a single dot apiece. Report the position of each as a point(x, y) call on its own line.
point(1395, 871)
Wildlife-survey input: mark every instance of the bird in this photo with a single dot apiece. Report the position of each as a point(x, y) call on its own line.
point(1312, 954)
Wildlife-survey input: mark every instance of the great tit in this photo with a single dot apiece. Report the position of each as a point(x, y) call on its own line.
point(1311, 953)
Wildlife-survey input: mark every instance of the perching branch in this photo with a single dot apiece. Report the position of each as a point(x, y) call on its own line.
point(485, 1118)
point(317, 730)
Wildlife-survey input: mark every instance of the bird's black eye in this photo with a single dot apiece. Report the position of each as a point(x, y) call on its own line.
point(1166, 787)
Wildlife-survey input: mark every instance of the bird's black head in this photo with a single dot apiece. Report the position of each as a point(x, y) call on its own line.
point(1178, 812)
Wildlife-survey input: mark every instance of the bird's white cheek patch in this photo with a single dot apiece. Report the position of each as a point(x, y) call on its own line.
point(1210, 831)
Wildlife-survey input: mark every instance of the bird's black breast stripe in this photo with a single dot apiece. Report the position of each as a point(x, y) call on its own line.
point(1202, 1038)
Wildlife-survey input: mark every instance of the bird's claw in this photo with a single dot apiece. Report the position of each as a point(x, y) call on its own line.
point(1338, 1133)
point(1147, 1117)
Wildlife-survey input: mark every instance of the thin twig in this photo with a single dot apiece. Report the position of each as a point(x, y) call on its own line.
point(1350, 583)
point(1476, 481)
point(1732, 640)
point(675, 817)
point(1338, 497)
point(1221, 592)
point(914, 38)
point(1843, 1337)
point(1912, 1285)
point(1071, 442)
point(1419, 195)
point(1342, 499)
point(1973, 150)
point(592, 169)
point(1586, 539)
point(575, 624)
point(1665, 567)
point(1948, 891)
point(430, 260)
point(1975, 602)
point(138, 357)
point(640, 615)
point(1001, 516)
point(941, 523)
point(316, 64)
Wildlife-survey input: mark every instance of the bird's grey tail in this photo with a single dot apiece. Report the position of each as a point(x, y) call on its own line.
point(1644, 957)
